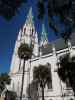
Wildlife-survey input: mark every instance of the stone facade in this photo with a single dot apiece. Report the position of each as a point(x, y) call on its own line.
point(43, 53)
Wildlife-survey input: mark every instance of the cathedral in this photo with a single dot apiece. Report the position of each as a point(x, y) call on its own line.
point(44, 53)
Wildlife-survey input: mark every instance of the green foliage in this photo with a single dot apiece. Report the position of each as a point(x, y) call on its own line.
point(64, 67)
point(41, 9)
point(32, 90)
point(51, 8)
point(4, 79)
point(10, 95)
point(42, 76)
point(24, 51)
point(67, 70)
point(8, 8)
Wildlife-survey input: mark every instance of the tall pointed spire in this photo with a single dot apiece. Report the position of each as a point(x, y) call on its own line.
point(44, 38)
point(29, 20)
point(27, 34)
point(28, 28)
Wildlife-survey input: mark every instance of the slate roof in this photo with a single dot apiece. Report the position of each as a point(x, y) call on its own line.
point(59, 45)
point(47, 49)
point(73, 39)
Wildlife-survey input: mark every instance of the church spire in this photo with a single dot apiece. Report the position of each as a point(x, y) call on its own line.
point(28, 35)
point(29, 20)
point(44, 38)
point(28, 28)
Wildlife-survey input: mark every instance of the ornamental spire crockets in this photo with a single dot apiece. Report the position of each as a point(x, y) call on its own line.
point(44, 37)
point(36, 46)
point(28, 30)
point(28, 35)
point(29, 20)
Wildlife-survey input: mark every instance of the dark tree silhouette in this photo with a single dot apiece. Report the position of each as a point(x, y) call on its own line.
point(67, 70)
point(25, 53)
point(32, 90)
point(10, 95)
point(9, 8)
point(42, 75)
point(4, 79)
point(64, 9)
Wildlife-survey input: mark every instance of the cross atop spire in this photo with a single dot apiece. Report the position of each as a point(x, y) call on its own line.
point(44, 38)
point(29, 20)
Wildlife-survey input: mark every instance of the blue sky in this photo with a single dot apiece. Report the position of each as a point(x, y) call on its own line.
point(9, 32)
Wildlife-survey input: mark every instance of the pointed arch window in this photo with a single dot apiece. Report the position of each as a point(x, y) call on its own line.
point(19, 64)
point(32, 31)
point(18, 88)
point(21, 34)
point(24, 31)
point(49, 84)
point(13, 86)
point(68, 83)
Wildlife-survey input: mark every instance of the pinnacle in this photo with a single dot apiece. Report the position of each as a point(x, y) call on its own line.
point(29, 19)
point(43, 35)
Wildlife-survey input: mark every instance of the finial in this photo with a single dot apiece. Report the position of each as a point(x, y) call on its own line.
point(44, 38)
point(29, 19)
